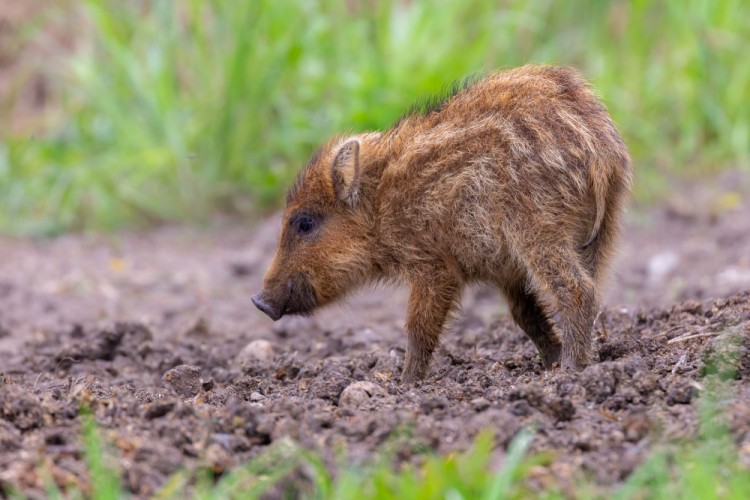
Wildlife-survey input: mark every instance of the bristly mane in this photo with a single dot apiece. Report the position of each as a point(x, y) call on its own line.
point(436, 102)
point(301, 174)
point(421, 107)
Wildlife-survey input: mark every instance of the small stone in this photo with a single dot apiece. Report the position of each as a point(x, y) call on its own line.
point(636, 426)
point(562, 409)
point(660, 265)
point(480, 404)
point(692, 307)
point(285, 428)
point(599, 381)
point(218, 459)
point(199, 329)
point(20, 407)
point(493, 394)
point(681, 392)
point(584, 441)
point(158, 409)
point(359, 392)
point(255, 396)
point(531, 393)
point(257, 350)
point(520, 408)
point(432, 403)
point(10, 437)
point(184, 379)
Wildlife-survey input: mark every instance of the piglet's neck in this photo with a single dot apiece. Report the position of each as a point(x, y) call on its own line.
point(374, 158)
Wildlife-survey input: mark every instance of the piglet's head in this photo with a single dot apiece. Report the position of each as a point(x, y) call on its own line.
point(323, 250)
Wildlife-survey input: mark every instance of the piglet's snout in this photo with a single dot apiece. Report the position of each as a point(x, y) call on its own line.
point(272, 310)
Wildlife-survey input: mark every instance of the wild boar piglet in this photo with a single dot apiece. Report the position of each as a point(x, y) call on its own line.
point(517, 179)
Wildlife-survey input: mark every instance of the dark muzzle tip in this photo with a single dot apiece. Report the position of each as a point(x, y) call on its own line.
point(265, 307)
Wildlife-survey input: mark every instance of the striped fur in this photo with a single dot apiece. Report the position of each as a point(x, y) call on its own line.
point(518, 180)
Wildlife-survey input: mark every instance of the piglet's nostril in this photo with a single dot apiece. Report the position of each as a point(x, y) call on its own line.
point(264, 306)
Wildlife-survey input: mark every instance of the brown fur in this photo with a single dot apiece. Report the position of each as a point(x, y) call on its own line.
point(517, 180)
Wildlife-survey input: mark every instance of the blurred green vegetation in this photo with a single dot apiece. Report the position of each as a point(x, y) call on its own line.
point(179, 110)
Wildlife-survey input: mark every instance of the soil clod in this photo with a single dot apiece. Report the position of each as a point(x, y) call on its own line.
point(184, 379)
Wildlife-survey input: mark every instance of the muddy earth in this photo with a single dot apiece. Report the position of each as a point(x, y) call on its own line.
point(154, 333)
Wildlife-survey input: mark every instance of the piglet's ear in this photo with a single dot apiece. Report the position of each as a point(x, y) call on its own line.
point(346, 172)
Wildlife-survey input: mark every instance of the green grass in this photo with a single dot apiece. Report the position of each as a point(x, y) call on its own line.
point(465, 475)
point(177, 110)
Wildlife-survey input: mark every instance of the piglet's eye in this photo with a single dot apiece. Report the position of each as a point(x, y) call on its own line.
point(305, 225)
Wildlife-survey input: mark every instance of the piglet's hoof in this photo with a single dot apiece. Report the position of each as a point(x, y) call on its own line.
point(412, 374)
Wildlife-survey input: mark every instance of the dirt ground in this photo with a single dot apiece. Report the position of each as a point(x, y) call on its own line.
point(155, 332)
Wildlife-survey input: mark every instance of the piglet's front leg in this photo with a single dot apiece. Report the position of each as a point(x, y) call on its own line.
point(433, 296)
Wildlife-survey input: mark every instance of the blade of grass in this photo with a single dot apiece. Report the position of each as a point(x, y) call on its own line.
point(502, 482)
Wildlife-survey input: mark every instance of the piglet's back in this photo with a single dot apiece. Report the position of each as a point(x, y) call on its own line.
point(533, 139)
